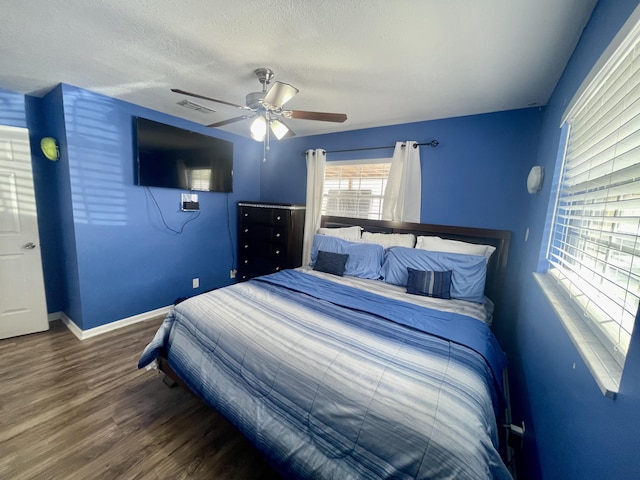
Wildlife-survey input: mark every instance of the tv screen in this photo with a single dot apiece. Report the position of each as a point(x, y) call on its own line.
point(172, 157)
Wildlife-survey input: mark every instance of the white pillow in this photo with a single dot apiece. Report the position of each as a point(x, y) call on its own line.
point(437, 244)
point(351, 234)
point(390, 239)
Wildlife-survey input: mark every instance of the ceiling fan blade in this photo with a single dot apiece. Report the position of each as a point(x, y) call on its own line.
point(280, 94)
point(196, 95)
point(231, 120)
point(322, 116)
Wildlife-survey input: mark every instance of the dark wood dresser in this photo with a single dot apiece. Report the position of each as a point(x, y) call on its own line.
point(269, 238)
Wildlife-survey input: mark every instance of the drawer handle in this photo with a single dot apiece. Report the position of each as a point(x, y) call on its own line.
point(246, 230)
point(246, 246)
point(246, 214)
point(277, 268)
point(246, 261)
point(278, 217)
point(277, 235)
point(277, 252)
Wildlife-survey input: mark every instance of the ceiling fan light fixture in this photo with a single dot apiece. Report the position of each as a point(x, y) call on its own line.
point(259, 128)
point(279, 129)
point(265, 108)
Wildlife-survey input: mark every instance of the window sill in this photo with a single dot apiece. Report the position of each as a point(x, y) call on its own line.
point(603, 367)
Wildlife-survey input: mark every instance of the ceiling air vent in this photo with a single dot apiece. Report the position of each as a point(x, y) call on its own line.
point(195, 106)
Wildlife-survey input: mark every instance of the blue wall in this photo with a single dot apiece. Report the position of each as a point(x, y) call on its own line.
point(106, 252)
point(128, 262)
point(578, 432)
point(474, 177)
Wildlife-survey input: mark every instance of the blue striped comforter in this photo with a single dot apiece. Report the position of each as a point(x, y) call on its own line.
point(329, 388)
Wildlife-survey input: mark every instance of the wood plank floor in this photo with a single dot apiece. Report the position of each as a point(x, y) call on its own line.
point(72, 409)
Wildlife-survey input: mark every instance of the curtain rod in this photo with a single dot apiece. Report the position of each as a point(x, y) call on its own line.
point(432, 143)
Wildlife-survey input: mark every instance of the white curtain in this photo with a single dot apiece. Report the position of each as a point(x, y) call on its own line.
point(403, 193)
point(316, 161)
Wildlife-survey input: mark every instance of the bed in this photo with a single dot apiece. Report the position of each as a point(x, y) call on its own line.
point(348, 376)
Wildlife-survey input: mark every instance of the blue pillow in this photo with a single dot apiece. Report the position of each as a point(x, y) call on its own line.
point(365, 259)
point(429, 284)
point(330, 262)
point(469, 272)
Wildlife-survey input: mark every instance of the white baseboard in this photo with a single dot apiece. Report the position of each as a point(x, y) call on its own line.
point(109, 327)
point(71, 326)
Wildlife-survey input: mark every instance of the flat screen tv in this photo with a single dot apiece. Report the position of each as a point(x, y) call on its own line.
point(172, 157)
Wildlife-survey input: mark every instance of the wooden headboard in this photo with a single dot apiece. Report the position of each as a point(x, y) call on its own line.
point(497, 267)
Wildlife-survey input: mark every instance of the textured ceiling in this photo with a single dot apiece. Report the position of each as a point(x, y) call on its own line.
point(381, 62)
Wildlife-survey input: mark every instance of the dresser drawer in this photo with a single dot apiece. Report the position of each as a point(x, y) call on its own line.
point(264, 216)
point(260, 266)
point(263, 233)
point(254, 248)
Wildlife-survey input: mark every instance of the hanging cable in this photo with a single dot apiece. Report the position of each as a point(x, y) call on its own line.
point(178, 232)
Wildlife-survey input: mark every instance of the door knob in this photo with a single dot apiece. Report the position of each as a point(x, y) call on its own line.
point(29, 246)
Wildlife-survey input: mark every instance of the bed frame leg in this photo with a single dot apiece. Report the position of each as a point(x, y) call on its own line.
point(169, 382)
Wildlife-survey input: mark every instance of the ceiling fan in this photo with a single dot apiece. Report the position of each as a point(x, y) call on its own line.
point(266, 108)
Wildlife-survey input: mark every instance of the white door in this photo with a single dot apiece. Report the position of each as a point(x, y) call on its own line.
point(22, 300)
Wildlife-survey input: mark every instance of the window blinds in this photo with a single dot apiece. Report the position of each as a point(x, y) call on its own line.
point(354, 189)
point(594, 250)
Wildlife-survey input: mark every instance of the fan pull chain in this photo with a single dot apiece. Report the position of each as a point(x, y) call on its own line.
point(265, 143)
point(264, 152)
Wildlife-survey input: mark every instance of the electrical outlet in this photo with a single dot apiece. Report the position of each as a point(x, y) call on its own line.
point(232, 273)
point(196, 282)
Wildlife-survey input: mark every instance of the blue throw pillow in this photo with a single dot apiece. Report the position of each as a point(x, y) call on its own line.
point(429, 284)
point(365, 259)
point(329, 262)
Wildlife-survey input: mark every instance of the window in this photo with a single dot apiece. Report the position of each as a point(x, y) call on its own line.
point(355, 188)
point(594, 246)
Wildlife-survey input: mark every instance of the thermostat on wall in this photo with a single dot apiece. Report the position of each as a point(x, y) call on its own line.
point(190, 202)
